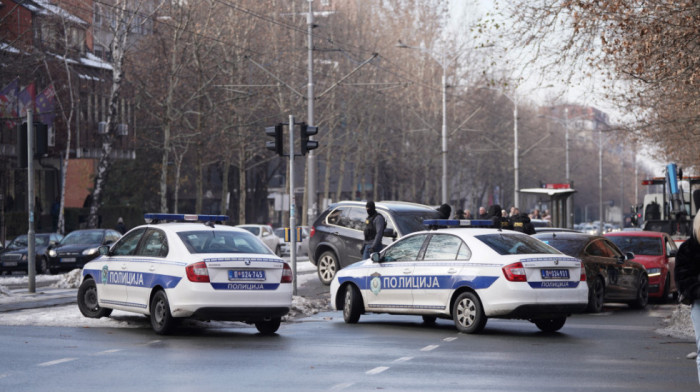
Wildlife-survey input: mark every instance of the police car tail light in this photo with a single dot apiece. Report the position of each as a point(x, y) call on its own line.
point(287, 275)
point(197, 272)
point(583, 274)
point(515, 272)
point(312, 232)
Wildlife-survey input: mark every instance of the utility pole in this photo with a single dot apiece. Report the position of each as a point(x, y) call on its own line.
point(311, 164)
point(31, 251)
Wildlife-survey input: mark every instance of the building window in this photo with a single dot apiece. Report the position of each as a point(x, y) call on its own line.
point(97, 15)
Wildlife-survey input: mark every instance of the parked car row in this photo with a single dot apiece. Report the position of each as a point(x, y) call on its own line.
point(56, 253)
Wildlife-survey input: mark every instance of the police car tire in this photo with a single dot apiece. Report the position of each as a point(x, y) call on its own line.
point(642, 299)
point(352, 306)
point(468, 313)
point(87, 300)
point(596, 296)
point(162, 321)
point(550, 325)
point(327, 267)
point(268, 327)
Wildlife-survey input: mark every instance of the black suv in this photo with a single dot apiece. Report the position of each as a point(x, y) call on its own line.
point(337, 235)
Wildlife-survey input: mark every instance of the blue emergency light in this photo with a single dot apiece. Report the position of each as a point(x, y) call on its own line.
point(458, 222)
point(155, 218)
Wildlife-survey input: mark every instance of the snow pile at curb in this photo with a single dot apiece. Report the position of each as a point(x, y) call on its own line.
point(5, 292)
point(71, 280)
point(302, 306)
point(679, 324)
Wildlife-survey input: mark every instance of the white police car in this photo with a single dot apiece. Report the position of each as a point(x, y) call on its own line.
point(199, 270)
point(465, 274)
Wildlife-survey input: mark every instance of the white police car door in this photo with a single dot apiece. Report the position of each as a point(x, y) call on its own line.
point(148, 268)
point(114, 269)
point(435, 275)
point(389, 281)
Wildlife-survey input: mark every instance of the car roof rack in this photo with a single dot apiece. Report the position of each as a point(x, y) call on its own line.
point(155, 218)
point(434, 224)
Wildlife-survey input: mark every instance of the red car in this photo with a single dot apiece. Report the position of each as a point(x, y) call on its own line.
point(657, 252)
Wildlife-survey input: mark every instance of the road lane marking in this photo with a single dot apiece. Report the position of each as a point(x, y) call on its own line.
point(449, 339)
point(56, 362)
point(403, 359)
point(3, 375)
point(430, 348)
point(114, 350)
point(377, 370)
point(340, 387)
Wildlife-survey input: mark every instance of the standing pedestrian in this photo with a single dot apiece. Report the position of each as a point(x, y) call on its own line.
point(120, 226)
point(459, 214)
point(482, 213)
point(687, 277)
point(374, 231)
point(444, 211)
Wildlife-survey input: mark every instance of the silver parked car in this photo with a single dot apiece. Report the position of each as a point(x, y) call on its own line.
point(267, 235)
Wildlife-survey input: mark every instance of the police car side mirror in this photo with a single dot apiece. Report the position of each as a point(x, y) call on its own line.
point(375, 257)
point(104, 250)
point(389, 233)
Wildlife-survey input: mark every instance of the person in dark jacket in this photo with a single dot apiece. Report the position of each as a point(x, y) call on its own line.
point(444, 211)
point(496, 215)
point(460, 214)
point(522, 223)
point(687, 275)
point(374, 231)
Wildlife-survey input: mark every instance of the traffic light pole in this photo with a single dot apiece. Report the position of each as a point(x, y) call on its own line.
point(292, 207)
point(31, 252)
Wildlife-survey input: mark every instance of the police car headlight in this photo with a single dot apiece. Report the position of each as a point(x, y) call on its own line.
point(52, 253)
point(654, 272)
point(90, 251)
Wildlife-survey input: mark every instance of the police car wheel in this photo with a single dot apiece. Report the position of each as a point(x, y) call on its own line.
point(352, 308)
point(327, 267)
point(642, 294)
point(596, 296)
point(162, 321)
point(550, 325)
point(429, 319)
point(468, 313)
point(268, 327)
point(87, 301)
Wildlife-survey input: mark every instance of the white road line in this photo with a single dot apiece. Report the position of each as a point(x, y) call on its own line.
point(403, 359)
point(114, 350)
point(56, 362)
point(340, 387)
point(449, 339)
point(153, 342)
point(377, 370)
point(4, 375)
point(430, 348)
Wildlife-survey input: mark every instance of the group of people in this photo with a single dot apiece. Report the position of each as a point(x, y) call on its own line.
point(515, 220)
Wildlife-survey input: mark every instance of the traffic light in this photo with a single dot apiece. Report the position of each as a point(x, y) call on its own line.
point(275, 145)
point(306, 144)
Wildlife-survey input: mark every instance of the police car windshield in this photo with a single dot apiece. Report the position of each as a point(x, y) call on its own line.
point(512, 244)
point(211, 241)
point(410, 222)
point(648, 246)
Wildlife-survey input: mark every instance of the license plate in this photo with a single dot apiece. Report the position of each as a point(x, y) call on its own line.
point(9, 264)
point(246, 275)
point(67, 259)
point(555, 274)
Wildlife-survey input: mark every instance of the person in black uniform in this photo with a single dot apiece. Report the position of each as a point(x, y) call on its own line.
point(496, 216)
point(522, 223)
point(444, 211)
point(374, 231)
point(687, 275)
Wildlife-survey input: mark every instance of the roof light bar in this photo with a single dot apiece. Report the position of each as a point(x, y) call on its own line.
point(155, 218)
point(458, 222)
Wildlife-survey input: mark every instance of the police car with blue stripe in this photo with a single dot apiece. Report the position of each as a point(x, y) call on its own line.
point(466, 271)
point(188, 266)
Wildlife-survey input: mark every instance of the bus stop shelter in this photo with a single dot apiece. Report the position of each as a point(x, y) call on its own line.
point(557, 200)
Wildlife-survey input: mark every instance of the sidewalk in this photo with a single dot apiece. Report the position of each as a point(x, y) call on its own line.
point(56, 290)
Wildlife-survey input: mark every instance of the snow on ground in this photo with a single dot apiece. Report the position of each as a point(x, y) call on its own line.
point(70, 316)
